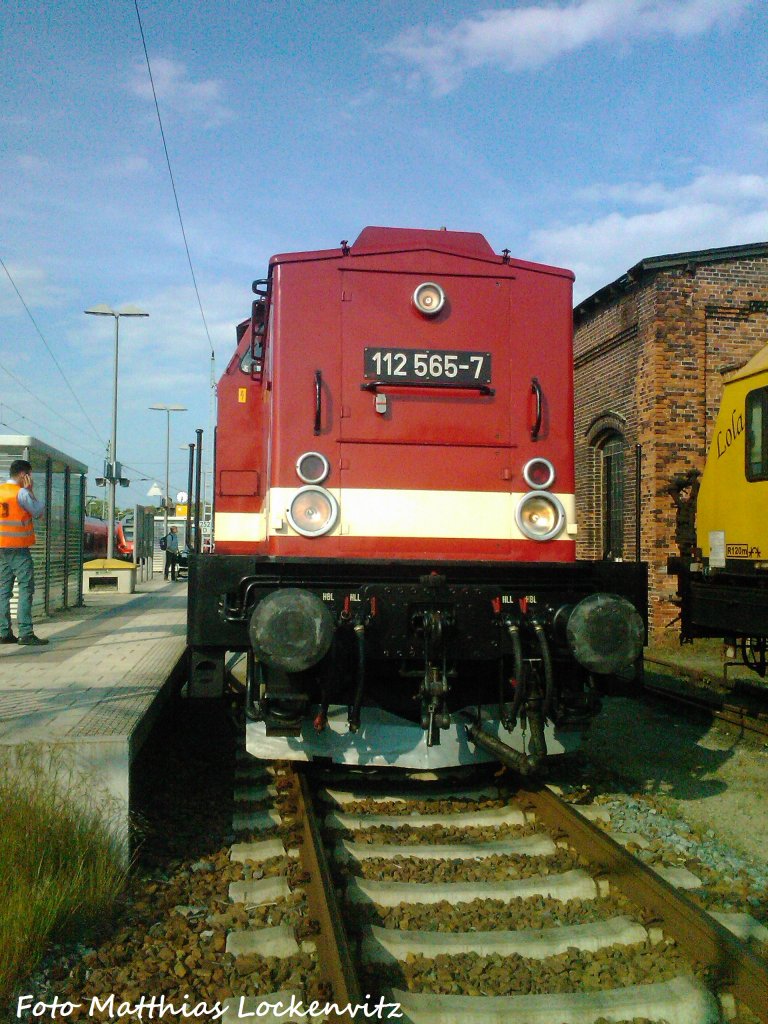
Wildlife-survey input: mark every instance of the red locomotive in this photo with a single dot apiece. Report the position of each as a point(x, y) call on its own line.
point(394, 510)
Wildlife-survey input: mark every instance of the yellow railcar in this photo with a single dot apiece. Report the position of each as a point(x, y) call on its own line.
point(724, 586)
point(732, 512)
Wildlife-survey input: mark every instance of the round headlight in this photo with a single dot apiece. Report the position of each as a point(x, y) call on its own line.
point(540, 515)
point(539, 474)
point(312, 467)
point(429, 298)
point(313, 511)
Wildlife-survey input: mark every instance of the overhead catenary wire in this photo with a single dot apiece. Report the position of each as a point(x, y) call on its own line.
point(22, 416)
point(212, 405)
point(68, 440)
point(173, 182)
point(50, 352)
point(37, 398)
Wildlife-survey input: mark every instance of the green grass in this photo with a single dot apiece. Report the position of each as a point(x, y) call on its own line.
point(61, 867)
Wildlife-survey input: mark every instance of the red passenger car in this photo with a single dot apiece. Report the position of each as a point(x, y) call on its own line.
point(123, 543)
point(394, 513)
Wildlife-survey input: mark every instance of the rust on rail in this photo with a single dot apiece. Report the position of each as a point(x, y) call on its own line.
point(334, 955)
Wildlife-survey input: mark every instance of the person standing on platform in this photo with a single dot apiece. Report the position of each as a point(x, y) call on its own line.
point(18, 507)
point(172, 552)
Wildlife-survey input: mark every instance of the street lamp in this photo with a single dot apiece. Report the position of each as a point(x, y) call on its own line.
point(168, 409)
point(113, 469)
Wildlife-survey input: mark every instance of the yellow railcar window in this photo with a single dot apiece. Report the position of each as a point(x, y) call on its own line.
point(756, 446)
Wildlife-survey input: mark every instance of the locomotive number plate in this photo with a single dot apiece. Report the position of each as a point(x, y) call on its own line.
point(427, 366)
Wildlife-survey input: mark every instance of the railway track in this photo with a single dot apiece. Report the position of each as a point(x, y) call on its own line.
point(467, 902)
point(746, 715)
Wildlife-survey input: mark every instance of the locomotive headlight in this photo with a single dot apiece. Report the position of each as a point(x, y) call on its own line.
point(312, 467)
point(539, 474)
point(429, 298)
point(540, 515)
point(313, 511)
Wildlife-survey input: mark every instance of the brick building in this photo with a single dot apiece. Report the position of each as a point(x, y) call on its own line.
point(650, 353)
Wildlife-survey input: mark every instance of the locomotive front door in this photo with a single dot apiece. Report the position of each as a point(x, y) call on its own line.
point(425, 422)
point(415, 379)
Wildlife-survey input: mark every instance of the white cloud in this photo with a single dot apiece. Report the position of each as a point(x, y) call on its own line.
point(708, 186)
point(712, 210)
point(126, 167)
point(173, 336)
point(32, 163)
point(178, 93)
point(34, 285)
point(529, 37)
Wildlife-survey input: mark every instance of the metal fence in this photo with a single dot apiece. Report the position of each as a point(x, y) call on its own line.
point(57, 555)
point(143, 541)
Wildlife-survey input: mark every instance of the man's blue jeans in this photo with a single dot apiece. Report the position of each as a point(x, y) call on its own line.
point(16, 563)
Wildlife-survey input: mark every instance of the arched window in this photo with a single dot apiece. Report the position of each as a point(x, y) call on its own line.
point(612, 448)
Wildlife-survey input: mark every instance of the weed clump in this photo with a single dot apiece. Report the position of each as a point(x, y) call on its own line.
point(61, 861)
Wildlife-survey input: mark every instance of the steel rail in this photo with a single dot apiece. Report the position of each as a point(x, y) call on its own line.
point(333, 951)
point(734, 714)
point(730, 963)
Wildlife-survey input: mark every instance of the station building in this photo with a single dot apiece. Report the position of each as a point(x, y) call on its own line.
point(650, 352)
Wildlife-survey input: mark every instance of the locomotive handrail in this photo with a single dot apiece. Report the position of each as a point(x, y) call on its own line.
point(536, 390)
point(318, 401)
point(374, 385)
point(237, 610)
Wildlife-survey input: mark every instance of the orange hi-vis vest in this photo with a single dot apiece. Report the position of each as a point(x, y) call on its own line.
point(16, 529)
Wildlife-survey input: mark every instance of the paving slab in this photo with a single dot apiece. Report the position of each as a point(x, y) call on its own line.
point(90, 697)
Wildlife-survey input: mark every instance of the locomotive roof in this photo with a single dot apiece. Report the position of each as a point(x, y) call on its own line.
point(373, 241)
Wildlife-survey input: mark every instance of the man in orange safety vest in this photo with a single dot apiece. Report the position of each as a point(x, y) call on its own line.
point(18, 507)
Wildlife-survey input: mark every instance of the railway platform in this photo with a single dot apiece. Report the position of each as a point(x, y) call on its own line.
point(90, 697)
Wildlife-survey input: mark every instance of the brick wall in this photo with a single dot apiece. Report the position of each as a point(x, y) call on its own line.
point(649, 362)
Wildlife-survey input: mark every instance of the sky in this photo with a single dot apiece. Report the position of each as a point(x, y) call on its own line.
point(582, 133)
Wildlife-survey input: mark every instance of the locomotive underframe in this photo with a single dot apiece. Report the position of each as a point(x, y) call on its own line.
point(435, 639)
point(730, 603)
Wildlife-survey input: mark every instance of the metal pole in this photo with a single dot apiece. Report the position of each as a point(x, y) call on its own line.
point(48, 531)
point(113, 452)
point(189, 491)
point(638, 498)
point(167, 467)
point(198, 468)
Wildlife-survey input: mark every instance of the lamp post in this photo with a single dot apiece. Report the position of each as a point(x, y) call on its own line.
point(113, 466)
point(167, 409)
